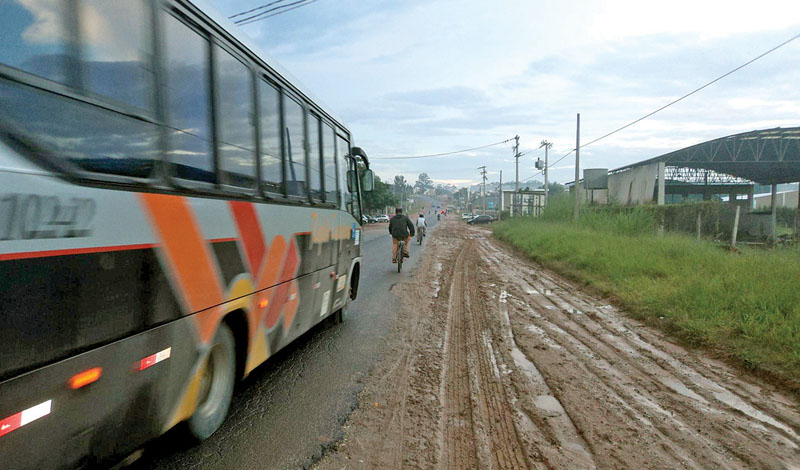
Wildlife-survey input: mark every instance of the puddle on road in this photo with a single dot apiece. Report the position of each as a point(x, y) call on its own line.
point(682, 389)
point(540, 333)
point(550, 404)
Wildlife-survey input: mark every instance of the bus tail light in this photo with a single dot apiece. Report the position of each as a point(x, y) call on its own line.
point(263, 303)
point(85, 378)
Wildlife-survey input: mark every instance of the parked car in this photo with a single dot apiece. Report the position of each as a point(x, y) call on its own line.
point(481, 219)
point(382, 218)
point(371, 219)
point(467, 216)
point(364, 220)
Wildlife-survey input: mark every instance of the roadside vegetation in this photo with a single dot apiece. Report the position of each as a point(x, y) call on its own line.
point(744, 305)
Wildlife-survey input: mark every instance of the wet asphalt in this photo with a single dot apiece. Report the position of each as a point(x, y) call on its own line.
point(290, 410)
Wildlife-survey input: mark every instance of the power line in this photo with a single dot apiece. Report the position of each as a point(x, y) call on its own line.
point(256, 8)
point(694, 91)
point(445, 153)
point(283, 9)
point(675, 101)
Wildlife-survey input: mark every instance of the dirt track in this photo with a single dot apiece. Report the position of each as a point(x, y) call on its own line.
point(498, 363)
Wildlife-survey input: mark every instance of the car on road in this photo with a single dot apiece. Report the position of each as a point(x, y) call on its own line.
point(481, 219)
point(382, 218)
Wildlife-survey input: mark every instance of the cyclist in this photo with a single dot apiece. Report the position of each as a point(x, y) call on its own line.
point(399, 227)
point(422, 225)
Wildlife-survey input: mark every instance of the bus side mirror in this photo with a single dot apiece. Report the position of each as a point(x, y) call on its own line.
point(359, 152)
point(368, 181)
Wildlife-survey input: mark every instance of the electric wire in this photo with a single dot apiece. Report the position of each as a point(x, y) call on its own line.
point(444, 153)
point(694, 91)
point(280, 9)
point(673, 101)
point(267, 5)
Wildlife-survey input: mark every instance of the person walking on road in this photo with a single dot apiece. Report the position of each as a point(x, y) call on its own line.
point(401, 228)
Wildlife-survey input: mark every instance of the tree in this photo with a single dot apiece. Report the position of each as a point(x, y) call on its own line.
point(381, 196)
point(445, 189)
point(424, 183)
point(554, 189)
point(400, 188)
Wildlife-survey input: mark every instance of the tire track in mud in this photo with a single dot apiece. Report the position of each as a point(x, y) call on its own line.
point(690, 420)
point(459, 446)
point(498, 363)
point(506, 448)
point(479, 429)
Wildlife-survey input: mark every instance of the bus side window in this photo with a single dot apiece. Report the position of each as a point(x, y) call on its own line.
point(295, 154)
point(116, 48)
point(329, 164)
point(188, 101)
point(270, 123)
point(235, 130)
point(351, 200)
point(314, 157)
point(34, 37)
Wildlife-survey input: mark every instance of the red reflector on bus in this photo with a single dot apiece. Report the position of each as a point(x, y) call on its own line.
point(24, 417)
point(153, 359)
point(85, 378)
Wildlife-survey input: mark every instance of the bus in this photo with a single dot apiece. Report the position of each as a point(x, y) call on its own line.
point(174, 209)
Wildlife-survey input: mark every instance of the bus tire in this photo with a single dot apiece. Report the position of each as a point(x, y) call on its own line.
point(216, 386)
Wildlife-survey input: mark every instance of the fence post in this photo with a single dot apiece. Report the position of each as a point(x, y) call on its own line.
point(735, 227)
point(699, 221)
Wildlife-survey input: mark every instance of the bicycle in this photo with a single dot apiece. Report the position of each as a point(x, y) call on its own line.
point(420, 235)
point(401, 249)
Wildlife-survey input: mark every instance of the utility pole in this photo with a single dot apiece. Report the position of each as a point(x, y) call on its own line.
point(577, 167)
point(483, 190)
point(546, 146)
point(500, 212)
point(514, 207)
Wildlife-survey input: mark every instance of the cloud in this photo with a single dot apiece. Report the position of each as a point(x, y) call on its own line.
point(422, 77)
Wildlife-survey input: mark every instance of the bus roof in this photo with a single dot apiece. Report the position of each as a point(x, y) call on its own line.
point(236, 33)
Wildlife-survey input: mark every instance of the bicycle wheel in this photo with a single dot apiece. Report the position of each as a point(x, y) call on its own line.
point(401, 247)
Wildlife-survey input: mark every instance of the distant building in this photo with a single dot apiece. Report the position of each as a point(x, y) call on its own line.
point(530, 202)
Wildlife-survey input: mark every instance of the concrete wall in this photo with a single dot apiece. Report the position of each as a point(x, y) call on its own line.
point(633, 186)
point(785, 199)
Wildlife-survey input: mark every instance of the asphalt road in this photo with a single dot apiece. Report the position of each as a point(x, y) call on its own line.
point(289, 410)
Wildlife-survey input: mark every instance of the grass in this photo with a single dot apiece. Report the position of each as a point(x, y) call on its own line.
point(744, 305)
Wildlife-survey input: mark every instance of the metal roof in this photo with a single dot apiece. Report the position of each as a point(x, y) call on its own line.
point(769, 156)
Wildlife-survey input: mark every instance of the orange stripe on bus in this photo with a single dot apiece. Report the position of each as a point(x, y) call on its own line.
point(187, 252)
point(244, 213)
point(283, 292)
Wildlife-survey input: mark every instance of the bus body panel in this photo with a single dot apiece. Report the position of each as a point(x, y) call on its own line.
point(90, 425)
point(114, 273)
point(116, 293)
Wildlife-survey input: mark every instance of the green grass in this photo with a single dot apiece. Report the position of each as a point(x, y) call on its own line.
point(744, 305)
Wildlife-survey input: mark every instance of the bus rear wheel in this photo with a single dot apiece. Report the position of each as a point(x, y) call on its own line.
point(216, 386)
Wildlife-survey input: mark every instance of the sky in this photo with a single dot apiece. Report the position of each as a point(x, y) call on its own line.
point(418, 77)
